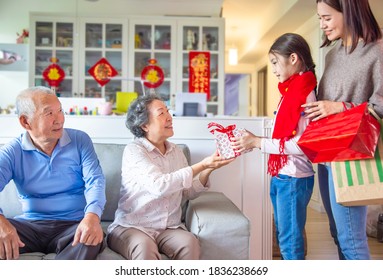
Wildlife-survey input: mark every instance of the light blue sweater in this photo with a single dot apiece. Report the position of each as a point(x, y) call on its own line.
point(63, 186)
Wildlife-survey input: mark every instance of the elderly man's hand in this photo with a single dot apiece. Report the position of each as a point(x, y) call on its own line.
point(9, 240)
point(89, 231)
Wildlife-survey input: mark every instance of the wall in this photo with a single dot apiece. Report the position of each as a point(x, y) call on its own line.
point(15, 13)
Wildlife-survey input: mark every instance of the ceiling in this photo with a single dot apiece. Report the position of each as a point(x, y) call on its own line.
point(251, 25)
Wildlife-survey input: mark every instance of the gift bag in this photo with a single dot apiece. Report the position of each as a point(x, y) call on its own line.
point(359, 182)
point(222, 139)
point(352, 134)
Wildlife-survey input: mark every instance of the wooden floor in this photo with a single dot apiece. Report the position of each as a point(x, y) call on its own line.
point(320, 245)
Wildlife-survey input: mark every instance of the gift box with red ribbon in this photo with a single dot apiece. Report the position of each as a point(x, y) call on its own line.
point(350, 135)
point(222, 137)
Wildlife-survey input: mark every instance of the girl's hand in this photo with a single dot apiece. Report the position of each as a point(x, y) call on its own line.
point(320, 109)
point(247, 141)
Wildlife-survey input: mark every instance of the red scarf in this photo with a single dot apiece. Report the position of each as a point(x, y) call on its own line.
point(294, 93)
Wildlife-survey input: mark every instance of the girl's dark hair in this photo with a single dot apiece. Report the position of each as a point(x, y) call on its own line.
point(138, 114)
point(290, 43)
point(358, 20)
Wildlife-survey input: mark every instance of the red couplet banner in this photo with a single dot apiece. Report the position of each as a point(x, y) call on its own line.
point(199, 72)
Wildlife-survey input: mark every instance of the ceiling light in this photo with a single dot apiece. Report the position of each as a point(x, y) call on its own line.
point(233, 56)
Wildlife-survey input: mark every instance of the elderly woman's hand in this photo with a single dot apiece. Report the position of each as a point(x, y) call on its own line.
point(208, 165)
point(215, 161)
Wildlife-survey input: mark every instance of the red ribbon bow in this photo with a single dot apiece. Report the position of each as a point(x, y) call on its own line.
point(228, 129)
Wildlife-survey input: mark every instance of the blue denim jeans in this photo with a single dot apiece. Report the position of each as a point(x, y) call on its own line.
point(347, 223)
point(324, 192)
point(290, 197)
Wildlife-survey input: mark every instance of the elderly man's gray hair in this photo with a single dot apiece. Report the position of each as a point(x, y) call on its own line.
point(25, 104)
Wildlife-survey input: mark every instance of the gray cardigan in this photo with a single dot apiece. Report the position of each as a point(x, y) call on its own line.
point(355, 77)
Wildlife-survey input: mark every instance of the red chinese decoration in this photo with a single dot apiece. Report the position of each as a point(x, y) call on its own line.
point(102, 71)
point(54, 74)
point(199, 69)
point(152, 74)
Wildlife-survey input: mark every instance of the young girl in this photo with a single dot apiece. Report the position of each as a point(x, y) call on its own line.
point(292, 173)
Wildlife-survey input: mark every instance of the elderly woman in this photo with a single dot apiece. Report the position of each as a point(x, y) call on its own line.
point(156, 178)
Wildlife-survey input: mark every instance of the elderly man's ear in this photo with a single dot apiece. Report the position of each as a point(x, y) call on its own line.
point(24, 122)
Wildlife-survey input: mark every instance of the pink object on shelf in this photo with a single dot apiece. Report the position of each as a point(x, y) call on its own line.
point(105, 108)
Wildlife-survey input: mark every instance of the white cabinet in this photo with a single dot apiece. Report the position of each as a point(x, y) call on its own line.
point(107, 39)
point(128, 43)
point(203, 35)
point(153, 40)
point(54, 37)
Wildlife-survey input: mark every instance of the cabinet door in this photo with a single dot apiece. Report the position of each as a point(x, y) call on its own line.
point(53, 38)
point(153, 40)
point(203, 35)
point(102, 39)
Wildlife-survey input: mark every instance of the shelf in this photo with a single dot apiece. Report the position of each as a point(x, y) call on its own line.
point(127, 42)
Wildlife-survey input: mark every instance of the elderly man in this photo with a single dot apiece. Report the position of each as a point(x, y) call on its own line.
point(59, 181)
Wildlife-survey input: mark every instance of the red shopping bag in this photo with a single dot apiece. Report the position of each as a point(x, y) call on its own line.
point(352, 134)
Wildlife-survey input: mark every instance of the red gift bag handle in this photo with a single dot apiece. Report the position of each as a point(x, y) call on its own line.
point(345, 107)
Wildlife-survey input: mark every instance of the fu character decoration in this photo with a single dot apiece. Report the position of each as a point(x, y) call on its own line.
point(152, 75)
point(54, 74)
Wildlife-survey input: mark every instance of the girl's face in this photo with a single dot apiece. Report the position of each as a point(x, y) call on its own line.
point(283, 67)
point(331, 21)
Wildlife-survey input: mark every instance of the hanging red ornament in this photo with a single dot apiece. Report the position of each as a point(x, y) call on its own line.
point(102, 71)
point(152, 74)
point(54, 74)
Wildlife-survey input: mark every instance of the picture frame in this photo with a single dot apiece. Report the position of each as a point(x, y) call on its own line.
point(14, 57)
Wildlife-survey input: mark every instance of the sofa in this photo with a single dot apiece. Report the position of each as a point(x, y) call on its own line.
point(222, 229)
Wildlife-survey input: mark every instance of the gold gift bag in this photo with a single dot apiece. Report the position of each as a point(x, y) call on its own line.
point(360, 182)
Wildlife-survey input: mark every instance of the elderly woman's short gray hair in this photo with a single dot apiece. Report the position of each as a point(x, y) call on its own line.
point(138, 114)
point(25, 104)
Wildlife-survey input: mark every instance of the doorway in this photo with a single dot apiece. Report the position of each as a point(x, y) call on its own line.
point(262, 92)
point(237, 95)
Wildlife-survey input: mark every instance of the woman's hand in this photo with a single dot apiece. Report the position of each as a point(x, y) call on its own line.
point(245, 142)
point(215, 161)
point(320, 109)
